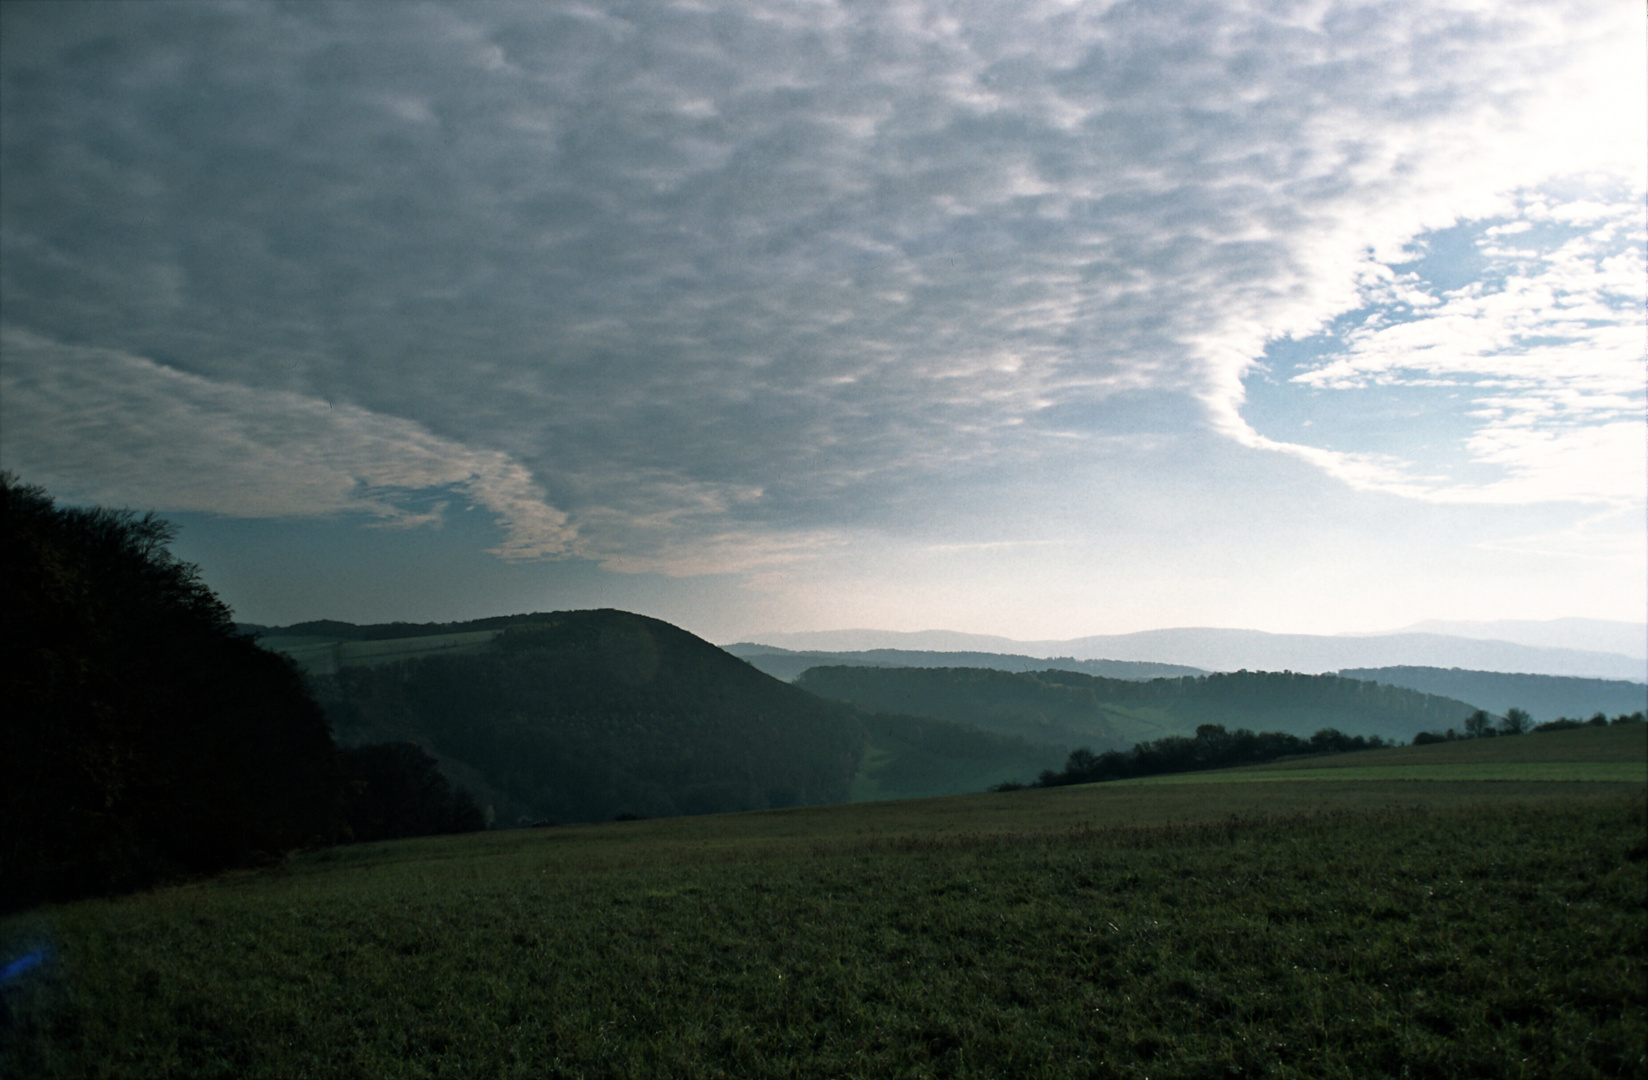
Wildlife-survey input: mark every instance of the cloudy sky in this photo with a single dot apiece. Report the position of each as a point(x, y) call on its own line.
point(1034, 318)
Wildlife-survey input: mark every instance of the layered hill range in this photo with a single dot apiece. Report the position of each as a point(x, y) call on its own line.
point(1544, 697)
point(1599, 649)
point(1070, 709)
point(587, 715)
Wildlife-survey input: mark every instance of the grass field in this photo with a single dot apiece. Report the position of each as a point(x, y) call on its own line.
point(1603, 771)
point(1340, 928)
point(324, 656)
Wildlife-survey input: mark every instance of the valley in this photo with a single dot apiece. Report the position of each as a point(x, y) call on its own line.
point(582, 716)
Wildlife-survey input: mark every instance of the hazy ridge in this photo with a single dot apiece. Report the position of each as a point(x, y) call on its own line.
point(1544, 697)
point(1215, 649)
point(1594, 635)
point(577, 716)
point(1068, 708)
point(787, 664)
point(546, 742)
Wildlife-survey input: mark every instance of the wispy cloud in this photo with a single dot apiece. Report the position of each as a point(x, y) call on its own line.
point(1547, 345)
point(105, 425)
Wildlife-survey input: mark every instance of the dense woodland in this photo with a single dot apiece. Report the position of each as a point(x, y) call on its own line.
point(1061, 708)
point(1543, 697)
point(394, 790)
point(143, 735)
point(582, 716)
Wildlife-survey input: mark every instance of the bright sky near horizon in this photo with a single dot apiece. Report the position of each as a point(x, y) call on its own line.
point(1038, 319)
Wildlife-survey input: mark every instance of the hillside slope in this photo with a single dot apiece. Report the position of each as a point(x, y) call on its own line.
point(1545, 697)
point(899, 756)
point(1068, 709)
point(1216, 649)
point(579, 716)
point(914, 757)
point(787, 665)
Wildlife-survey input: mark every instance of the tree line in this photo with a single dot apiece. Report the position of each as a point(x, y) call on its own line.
point(1212, 747)
point(1482, 724)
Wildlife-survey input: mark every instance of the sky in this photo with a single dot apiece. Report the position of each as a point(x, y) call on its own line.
point(1039, 319)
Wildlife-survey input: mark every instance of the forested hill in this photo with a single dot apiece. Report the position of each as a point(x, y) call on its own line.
point(1545, 697)
point(584, 715)
point(787, 664)
point(1068, 709)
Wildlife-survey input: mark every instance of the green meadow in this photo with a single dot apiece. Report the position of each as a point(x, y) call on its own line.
point(319, 655)
point(1338, 928)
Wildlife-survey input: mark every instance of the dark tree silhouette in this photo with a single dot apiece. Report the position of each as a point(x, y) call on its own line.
point(1212, 748)
point(142, 735)
point(396, 789)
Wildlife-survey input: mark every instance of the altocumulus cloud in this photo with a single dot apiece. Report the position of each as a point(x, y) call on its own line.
point(722, 285)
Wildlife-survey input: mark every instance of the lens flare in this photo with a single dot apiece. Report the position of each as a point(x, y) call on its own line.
point(14, 970)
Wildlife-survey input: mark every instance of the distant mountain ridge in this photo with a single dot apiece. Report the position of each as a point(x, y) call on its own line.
point(787, 664)
point(1546, 697)
point(1063, 708)
point(580, 715)
point(1593, 635)
point(1215, 649)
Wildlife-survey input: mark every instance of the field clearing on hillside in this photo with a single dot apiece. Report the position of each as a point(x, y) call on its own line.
point(323, 656)
point(1324, 929)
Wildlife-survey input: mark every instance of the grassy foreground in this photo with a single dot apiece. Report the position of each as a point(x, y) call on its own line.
point(1318, 929)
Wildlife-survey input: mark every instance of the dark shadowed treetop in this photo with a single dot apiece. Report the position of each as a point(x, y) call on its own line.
point(143, 735)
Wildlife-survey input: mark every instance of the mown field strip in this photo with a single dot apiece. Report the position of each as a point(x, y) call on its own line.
point(1580, 771)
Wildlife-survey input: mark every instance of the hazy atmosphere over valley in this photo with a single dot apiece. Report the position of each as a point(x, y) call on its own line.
point(1040, 320)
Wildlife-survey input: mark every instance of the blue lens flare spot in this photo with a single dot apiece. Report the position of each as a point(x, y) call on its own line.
point(28, 961)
